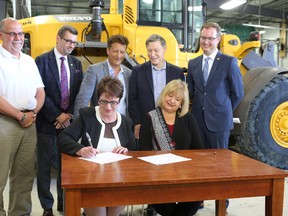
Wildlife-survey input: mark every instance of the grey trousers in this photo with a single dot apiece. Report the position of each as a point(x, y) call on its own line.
point(17, 150)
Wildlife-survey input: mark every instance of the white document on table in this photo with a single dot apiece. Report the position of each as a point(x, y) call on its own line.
point(106, 157)
point(164, 159)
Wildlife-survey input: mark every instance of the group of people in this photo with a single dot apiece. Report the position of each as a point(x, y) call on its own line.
point(147, 108)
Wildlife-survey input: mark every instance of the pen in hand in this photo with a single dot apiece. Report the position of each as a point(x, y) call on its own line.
point(89, 140)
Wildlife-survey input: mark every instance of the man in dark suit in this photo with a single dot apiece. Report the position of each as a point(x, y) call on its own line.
point(147, 80)
point(146, 83)
point(218, 92)
point(62, 76)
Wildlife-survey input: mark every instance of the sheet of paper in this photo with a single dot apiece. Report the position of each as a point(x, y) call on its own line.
point(107, 157)
point(164, 159)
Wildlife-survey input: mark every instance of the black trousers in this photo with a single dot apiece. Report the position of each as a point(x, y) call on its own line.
point(48, 156)
point(176, 209)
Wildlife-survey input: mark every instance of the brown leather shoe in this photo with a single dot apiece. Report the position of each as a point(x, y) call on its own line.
point(48, 212)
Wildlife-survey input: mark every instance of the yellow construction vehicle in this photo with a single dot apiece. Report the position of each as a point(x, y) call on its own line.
point(263, 112)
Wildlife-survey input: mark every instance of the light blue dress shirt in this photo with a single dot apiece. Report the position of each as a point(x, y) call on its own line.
point(159, 81)
point(122, 105)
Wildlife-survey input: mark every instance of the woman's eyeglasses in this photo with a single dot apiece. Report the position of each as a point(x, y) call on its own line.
point(105, 102)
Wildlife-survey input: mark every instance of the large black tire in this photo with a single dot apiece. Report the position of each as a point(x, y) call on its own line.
point(257, 141)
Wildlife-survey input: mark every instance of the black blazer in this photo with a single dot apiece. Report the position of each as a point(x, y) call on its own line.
point(186, 133)
point(87, 122)
point(141, 92)
point(51, 109)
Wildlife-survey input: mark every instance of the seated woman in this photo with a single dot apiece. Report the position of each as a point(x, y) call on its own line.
point(108, 129)
point(171, 127)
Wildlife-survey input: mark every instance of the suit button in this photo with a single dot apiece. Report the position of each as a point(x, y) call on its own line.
point(205, 93)
point(202, 108)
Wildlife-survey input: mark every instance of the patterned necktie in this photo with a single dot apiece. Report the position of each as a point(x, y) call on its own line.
point(206, 70)
point(64, 86)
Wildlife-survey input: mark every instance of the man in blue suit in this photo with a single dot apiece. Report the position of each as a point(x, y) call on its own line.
point(216, 88)
point(218, 92)
point(56, 114)
point(147, 80)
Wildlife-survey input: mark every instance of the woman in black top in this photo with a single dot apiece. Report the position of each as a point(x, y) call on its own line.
point(171, 127)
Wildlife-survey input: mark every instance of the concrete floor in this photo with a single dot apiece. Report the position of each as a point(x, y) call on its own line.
point(238, 207)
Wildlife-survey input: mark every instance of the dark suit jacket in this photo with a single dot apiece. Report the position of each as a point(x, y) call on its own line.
point(51, 109)
point(223, 91)
point(141, 91)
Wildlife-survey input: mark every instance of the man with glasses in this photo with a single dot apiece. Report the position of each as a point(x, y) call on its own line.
point(21, 97)
point(112, 66)
point(216, 88)
point(62, 75)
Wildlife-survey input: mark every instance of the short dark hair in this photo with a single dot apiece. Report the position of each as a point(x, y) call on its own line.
point(110, 86)
point(121, 39)
point(212, 25)
point(64, 29)
point(155, 37)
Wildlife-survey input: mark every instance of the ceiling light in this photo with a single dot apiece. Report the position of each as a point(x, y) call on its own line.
point(195, 8)
point(148, 1)
point(232, 4)
point(263, 26)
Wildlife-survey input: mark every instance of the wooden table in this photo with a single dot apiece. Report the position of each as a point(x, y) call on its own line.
point(210, 175)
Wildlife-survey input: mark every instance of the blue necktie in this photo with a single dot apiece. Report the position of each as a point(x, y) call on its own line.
point(206, 70)
point(64, 86)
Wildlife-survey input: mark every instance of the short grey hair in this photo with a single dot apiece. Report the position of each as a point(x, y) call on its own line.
point(3, 21)
point(155, 37)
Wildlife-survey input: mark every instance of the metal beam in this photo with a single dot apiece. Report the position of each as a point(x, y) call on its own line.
point(214, 5)
point(21, 8)
point(3, 9)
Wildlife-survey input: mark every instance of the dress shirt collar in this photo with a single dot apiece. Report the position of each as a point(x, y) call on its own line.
point(163, 68)
point(58, 55)
point(111, 70)
point(212, 56)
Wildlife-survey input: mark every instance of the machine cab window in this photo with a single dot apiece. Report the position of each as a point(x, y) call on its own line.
point(183, 18)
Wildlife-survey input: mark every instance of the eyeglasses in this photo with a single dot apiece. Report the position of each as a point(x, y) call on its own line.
point(13, 34)
point(105, 102)
point(75, 43)
point(210, 39)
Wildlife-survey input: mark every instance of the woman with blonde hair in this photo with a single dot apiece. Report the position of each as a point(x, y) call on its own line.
point(171, 127)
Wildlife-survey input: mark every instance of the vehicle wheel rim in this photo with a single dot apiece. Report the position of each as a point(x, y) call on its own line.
point(279, 125)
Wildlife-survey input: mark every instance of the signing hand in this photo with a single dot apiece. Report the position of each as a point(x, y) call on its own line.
point(87, 152)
